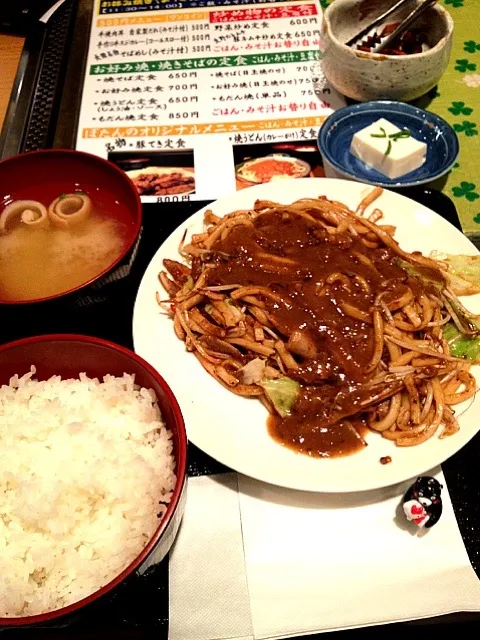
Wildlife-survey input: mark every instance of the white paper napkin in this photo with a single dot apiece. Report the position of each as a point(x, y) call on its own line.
point(312, 562)
point(318, 562)
point(208, 586)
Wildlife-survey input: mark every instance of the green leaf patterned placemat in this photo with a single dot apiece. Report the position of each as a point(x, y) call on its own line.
point(457, 100)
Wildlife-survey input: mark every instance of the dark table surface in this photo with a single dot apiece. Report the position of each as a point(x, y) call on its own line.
point(139, 608)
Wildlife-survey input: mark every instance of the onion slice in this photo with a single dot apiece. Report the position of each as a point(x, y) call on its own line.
point(70, 209)
point(29, 212)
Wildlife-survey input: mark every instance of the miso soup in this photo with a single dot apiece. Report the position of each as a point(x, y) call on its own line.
point(43, 254)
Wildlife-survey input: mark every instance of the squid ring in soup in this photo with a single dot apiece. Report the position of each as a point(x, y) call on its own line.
point(29, 212)
point(70, 209)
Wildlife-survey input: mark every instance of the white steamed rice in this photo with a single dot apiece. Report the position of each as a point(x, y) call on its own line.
point(86, 469)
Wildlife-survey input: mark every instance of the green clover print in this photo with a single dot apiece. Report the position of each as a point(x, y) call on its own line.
point(455, 3)
point(464, 65)
point(476, 218)
point(468, 128)
point(459, 108)
point(471, 46)
point(467, 190)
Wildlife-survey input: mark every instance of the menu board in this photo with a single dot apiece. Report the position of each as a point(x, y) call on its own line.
point(197, 98)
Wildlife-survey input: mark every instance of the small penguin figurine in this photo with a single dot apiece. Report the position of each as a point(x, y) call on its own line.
point(422, 503)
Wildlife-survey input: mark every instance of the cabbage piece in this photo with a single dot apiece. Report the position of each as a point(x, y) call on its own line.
point(238, 315)
point(187, 286)
point(462, 273)
point(469, 321)
point(282, 393)
point(253, 372)
point(438, 283)
point(461, 346)
point(428, 277)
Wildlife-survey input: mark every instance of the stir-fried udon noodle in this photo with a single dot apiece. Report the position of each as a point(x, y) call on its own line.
point(315, 310)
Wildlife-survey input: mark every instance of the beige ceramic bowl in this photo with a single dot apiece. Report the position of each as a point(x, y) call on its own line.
point(365, 76)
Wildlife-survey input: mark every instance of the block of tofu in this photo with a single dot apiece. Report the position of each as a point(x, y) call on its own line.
point(383, 147)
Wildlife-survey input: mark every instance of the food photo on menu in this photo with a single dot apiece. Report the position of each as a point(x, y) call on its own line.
point(160, 173)
point(261, 163)
point(240, 320)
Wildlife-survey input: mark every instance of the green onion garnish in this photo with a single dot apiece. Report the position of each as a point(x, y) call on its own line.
point(404, 133)
point(379, 135)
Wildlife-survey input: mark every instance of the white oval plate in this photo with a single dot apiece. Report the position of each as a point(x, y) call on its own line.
point(232, 429)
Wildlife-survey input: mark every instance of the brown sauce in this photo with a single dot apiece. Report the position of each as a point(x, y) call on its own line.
point(294, 259)
point(301, 433)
